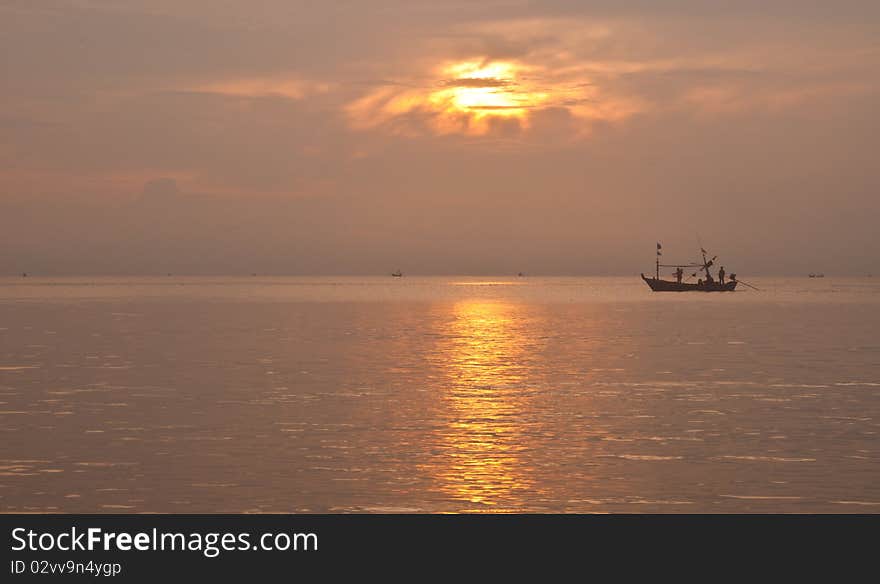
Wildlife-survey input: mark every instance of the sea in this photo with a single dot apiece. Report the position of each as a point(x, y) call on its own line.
point(437, 395)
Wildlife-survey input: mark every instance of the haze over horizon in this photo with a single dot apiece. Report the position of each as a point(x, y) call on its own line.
point(197, 137)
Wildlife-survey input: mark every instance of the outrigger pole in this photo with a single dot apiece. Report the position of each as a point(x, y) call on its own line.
point(749, 285)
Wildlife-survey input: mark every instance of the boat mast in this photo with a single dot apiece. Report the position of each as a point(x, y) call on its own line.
point(657, 269)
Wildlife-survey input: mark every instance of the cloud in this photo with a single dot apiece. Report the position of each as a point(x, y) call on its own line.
point(477, 82)
point(485, 96)
point(255, 87)
point(602, 71)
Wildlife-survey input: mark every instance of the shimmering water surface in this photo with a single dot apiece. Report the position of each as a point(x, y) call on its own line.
point(436, 395)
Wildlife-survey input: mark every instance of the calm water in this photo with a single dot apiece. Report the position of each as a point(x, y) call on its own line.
point(437, 394)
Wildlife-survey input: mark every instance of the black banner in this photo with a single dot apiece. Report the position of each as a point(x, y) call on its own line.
point(149, 547)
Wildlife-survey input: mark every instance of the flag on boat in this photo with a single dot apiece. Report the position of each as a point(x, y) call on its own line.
point(659, 247)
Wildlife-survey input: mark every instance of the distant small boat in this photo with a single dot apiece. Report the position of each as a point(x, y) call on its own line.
point(397, 274)
point(707, 283)
point(817, 275)
point(520, 275)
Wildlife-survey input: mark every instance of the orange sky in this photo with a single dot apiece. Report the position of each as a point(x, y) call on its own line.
point(481, 137)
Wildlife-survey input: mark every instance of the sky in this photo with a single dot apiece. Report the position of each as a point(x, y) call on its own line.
point(478, 137)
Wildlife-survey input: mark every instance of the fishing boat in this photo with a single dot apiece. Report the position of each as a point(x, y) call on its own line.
point(397, 274)
point(705, 281)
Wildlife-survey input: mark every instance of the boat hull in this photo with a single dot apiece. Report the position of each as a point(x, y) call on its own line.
point(667, 286)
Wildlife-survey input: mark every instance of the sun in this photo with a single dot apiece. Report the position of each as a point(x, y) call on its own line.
point(483, 96)
point(485, 89)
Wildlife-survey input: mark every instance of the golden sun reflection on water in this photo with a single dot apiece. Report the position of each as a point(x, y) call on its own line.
point(483, 353)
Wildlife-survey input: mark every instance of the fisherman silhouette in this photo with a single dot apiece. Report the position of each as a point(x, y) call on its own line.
point(721, 275)
point(678, 274)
